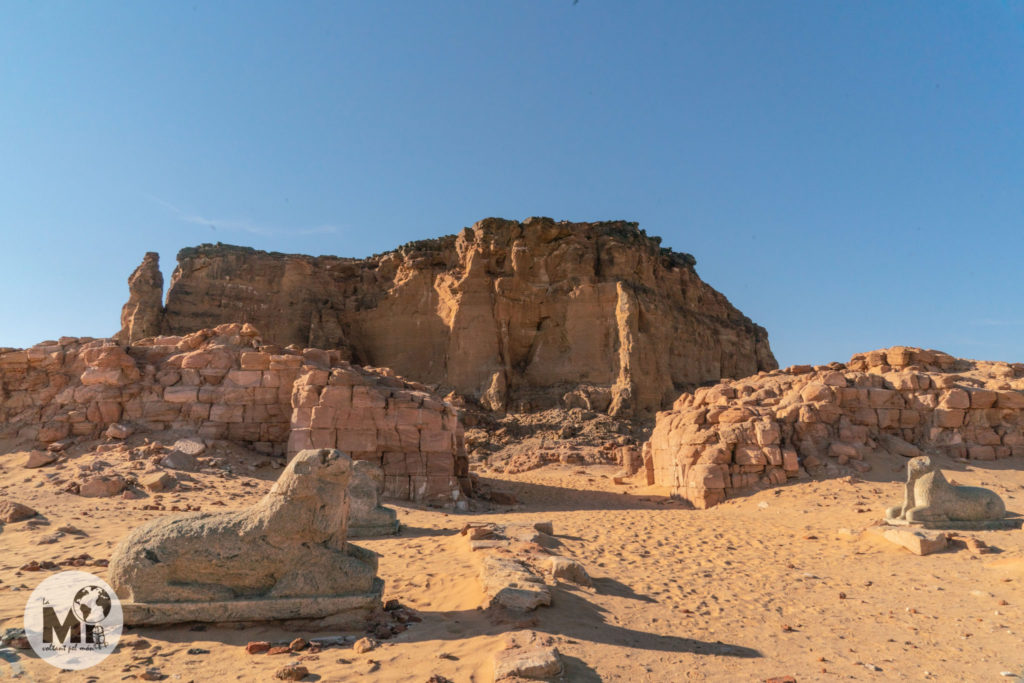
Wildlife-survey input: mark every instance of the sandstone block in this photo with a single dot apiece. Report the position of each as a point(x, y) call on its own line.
point(790, 461)
point(226, 413)
point(12, 512)
point(285, 362)
point(948, 418)
point(160, 411)
point(366, 397)
point(749, 455)
point(244, 431)
point(917, 541)
point(251, 360)
point(435, 441)
point(565, 569)
point(706, 477)
point(39, 459)
point(982, 398)
point(119, 431)
point(158, 482)
point(975, 452)
point(954, 399)
point(1010, 400)
point(816, 392)
point(179, 460)
point(109, 377)
point(355, 439)
point(101, 486)
point(767, 433)
point(909, 419)
point(325, 438)
point(838, 449)
point(336, 396)
point(324, 417)
point(180, 394)
point(888, 418)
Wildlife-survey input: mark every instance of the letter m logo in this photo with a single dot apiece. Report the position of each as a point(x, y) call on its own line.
point(52, 626)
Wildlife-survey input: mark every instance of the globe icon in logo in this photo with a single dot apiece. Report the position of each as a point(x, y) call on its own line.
point(91, 604)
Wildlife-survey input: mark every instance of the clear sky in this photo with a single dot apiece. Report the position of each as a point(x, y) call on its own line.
point(850, 174)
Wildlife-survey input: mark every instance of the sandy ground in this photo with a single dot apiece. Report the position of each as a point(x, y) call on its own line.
point(761, 586)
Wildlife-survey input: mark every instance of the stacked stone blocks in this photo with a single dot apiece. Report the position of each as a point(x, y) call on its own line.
point(764, 429)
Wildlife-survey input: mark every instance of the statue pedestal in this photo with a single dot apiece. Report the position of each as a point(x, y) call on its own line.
point(332, 611)
point(980, 525)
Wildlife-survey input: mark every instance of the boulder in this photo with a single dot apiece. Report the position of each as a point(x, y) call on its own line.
point(565, 569)
point(158, 482)
point(11, 512)
point(179, 460)
point(531, 662)
point(118, 431)
point(39, 459)
point(101, 486)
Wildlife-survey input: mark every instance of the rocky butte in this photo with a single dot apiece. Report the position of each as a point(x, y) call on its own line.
point(517, 315)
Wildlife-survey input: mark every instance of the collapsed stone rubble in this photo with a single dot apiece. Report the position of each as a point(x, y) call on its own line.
point(225, 383)
point(768, 428)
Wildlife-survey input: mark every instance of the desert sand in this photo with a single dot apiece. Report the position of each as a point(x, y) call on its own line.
point(781, 582)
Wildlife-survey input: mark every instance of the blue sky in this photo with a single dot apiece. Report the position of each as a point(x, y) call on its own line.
point(849, 174)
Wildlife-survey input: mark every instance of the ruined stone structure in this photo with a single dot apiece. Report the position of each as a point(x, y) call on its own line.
point(764, 429)
point(224, 383)
point(286, 557)
point(523, 316)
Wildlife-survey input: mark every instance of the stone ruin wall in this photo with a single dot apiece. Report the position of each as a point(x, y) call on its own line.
point(412, 434)
point(520, 316)
point(225, 384)
point(765, 429)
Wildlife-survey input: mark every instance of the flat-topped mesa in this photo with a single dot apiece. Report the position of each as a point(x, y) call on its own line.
point(519, 315)
point(903, 401)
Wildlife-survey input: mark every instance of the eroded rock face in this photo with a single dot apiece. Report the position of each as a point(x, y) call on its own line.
point(762, 430)
point(290, 545)
point(142, 316)
point(516, 315)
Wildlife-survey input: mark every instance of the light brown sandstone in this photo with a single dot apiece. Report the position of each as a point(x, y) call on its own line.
point(761, 430)
point(508, 313)
point(196, 383)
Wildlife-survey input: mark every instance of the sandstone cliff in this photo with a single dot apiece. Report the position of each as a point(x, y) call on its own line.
point(826, 420)
point(522, 316)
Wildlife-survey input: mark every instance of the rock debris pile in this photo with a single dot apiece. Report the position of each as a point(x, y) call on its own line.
point(226, 384)
point(765, 429)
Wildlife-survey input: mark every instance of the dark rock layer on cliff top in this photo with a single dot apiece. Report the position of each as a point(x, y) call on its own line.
point(517, 315)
